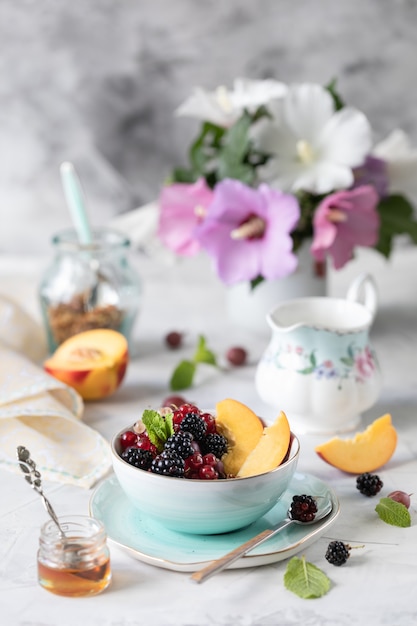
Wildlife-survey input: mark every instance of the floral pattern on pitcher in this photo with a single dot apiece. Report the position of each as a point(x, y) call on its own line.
point(357, 362)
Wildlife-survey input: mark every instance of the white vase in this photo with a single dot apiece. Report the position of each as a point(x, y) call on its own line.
point(248, 308)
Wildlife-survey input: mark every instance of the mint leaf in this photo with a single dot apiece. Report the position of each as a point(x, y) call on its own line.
point(394, 513)
point(305, 579)
point(203, 354)
point(158, 427)
point(182, 376)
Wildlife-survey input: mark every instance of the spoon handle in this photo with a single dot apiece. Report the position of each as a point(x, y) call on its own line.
point(219, 564)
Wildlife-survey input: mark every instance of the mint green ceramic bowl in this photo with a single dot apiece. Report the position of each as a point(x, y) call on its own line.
point(203, 506)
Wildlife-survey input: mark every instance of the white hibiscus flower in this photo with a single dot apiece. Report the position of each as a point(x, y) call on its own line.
point(401, 160)
point(224, 107)
point(312, 147)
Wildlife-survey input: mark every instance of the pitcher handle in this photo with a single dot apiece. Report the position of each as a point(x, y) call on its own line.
point(363, 289)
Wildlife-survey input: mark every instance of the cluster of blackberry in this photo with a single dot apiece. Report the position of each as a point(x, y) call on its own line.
point(193, 451)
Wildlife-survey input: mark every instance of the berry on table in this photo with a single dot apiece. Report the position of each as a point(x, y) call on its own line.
point(237, 356)
point(337, 553)
point(303, 508)
point(173, 339)
point(400, 496)
point(369, 484)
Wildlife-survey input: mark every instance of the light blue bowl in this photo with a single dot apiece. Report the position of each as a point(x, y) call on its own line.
point(203, 506)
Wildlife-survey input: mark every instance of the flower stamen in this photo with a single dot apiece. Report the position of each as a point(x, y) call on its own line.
point(223, 99)
point(305, 152)
point(253, 228)
point(336, 216)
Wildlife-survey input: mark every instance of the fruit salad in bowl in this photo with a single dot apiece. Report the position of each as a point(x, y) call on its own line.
point(204, 472)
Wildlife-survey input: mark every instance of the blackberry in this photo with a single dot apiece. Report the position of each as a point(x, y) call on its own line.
point(168, 463)
point(337, 553)
point(138, 457)
point(194, 424)
point(214, 443)
point(180, 443)
point(369, 484)
point(303, 508)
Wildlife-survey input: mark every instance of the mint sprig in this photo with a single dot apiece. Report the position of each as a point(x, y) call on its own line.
point(394, 513)
point(183, 375)
point(159, 427)
point(305, 579)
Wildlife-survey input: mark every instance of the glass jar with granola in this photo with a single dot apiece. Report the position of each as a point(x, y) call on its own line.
point(89, 286)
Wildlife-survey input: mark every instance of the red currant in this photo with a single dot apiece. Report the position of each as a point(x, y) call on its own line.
point(144, 443)
point(194, 462)
point(207, 472)
point(128, 439)
point(210, 421)
point(210, 459)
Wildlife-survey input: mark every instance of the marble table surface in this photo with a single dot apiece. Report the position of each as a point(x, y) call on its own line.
point(377, 584)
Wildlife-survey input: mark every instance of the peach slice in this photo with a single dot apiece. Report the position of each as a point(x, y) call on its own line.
point(243, 430)
point(93, 362)
point(270, 450)
point(365, 452)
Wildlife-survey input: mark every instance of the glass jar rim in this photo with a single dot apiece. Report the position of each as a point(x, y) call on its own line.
point(89, 526)
point(101, 239)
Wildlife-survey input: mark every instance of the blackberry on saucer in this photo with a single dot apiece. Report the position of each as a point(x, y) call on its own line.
point(303, 508)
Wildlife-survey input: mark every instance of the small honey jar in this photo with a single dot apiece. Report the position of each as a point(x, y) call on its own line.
point(77, 562)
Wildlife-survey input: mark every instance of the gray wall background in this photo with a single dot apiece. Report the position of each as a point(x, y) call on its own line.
point(97, 82)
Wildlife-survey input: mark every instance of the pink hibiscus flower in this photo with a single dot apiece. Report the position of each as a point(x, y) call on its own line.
point(182, 207)
point(343, 220)
point(247, 232)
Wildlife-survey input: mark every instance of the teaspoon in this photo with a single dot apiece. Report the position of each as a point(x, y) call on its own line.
point(33, 477)
point(325, 507)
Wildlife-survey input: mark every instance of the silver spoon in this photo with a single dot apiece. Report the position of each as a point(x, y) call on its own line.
point(33, 477)
point(324, 505)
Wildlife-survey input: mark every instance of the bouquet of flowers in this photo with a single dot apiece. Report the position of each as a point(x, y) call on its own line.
point(276, 165)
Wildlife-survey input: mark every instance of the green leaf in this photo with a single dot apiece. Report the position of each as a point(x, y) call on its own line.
point(347, 361)
point(158, 427)
point(393, 513)
point(256, 281)
point(236, 147)
point(203, 354)
point(397, 218)
point(183, 376)
point(205, 147)
point(337, 100)
point(305, 579)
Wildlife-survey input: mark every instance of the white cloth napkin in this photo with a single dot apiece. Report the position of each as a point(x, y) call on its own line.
point(41, 413)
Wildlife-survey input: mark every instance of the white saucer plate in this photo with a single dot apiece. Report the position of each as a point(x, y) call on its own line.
point(150, 542)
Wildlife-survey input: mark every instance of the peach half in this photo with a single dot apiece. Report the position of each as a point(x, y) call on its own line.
point(365, 452)
point(93, 362)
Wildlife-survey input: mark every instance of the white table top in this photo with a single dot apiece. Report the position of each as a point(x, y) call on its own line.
point(377, 584)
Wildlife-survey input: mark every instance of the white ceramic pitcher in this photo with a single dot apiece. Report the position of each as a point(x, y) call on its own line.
point(319, 366)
